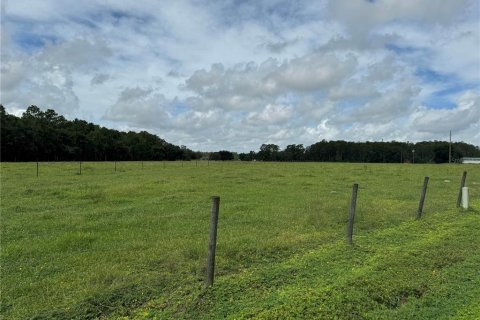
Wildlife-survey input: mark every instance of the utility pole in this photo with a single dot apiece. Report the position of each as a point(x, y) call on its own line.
point(450, 149)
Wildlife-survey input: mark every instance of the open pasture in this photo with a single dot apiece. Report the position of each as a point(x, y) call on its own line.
point(131, 241)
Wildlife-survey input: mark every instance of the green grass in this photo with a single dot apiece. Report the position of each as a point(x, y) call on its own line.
point(133, 243)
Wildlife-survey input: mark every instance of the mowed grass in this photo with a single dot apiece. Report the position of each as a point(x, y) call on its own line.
point(133, 242)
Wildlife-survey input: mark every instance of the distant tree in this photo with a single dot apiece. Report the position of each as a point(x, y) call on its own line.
point(294, 152)
point(225, 155)
point(268, 152)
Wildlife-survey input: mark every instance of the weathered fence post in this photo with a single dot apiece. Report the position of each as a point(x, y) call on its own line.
point(351, 217)
point(37, 168)
point(462, 184)
point(422, 198)
point(212, 240)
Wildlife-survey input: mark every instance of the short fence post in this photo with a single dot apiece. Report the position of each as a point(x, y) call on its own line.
point(37, 168)
point(115, 166)
point(212, 240)
point(351, 217)
point(422, 198)
point(462, 184)
point(80, 171)
point(142, 165)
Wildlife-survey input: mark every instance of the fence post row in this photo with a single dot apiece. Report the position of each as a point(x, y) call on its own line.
point(212, 240)
point(422, 198)
point(462, 184)
point(351, 217)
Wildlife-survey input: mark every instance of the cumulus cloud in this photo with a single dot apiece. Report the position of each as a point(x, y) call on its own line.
point(99, 78)
point(271, 114)
point(462, 117)
point(313, 72)
point(140, 107)
point(235, 74)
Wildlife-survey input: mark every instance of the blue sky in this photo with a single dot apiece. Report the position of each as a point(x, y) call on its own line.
point(235, 74)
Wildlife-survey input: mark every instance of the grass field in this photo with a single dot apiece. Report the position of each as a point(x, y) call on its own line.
point(132, 243)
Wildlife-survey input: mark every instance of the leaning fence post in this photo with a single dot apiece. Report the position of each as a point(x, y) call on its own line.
point(462, 184)
point(422, 198)
point(212, 240)
point(351, 217)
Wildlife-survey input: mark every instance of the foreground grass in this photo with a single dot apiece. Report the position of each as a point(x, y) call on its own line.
point(132, 243)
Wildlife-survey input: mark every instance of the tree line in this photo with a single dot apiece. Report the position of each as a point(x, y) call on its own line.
point(343, 151)
point(47, 136)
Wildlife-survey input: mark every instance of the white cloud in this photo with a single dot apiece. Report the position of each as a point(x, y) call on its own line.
point(313, 72)
point(140, 108)
point(462, 117)
point(233, 75)
point(271, 114)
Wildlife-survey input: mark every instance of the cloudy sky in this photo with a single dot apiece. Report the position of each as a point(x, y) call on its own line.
point(235, 74)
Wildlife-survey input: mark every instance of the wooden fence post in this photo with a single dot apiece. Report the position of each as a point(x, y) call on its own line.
point(462, 184)
point(115, 166)
point(353, 205)
point(37, 168)
point(80, 171)
point(422, 198)
point(212, 240)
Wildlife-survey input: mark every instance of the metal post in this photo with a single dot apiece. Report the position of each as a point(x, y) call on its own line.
point(465, 197)
point(462, 184)
point(212, 240)
point(351, 217)
point(450, 149)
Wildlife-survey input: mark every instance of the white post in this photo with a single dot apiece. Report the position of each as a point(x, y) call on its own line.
point(465, 197)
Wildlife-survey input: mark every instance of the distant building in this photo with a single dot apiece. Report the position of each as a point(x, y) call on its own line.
point(470, 160)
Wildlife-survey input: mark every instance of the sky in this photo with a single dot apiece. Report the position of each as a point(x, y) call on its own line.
point(235, 74)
